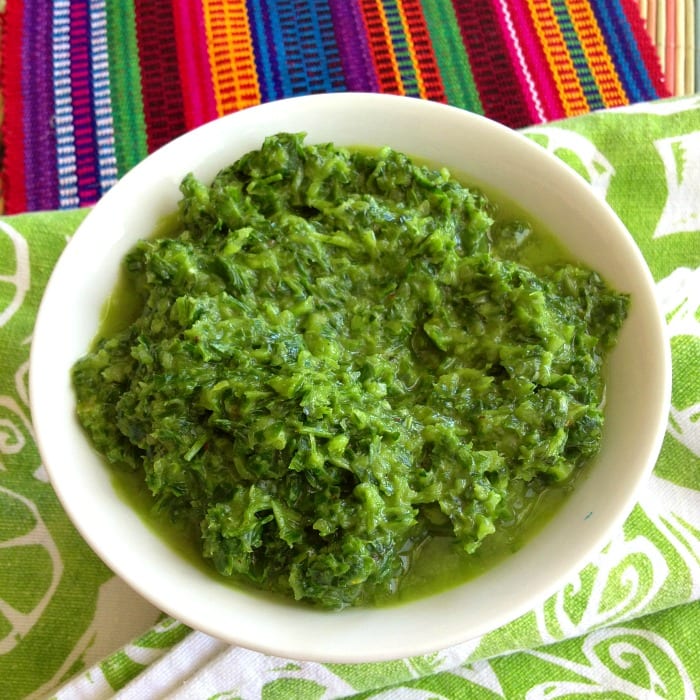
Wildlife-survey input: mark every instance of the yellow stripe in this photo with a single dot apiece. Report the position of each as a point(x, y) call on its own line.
point(411, 50)
point(690, 48)
point(231, 56)
point(557, 54)
point(390, 46)
point(596, 53)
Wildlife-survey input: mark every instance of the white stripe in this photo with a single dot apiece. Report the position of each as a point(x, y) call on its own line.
point(521, 60)
point(102, 99)
point(65, 132)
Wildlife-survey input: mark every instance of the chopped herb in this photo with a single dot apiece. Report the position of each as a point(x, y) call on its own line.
point(340, 355)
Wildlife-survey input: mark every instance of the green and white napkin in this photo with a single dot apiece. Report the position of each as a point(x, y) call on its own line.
point(626, 626)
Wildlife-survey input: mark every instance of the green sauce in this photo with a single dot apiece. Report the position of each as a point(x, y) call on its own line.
point(347, 378)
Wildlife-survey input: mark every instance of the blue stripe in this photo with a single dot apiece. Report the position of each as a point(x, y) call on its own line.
point(267, 40)
point(308, 54)
point(623, 45)
point(291, 28)
point(326, 55)
point(295, 48)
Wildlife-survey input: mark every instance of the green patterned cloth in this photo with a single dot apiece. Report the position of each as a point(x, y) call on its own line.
point(626, 626)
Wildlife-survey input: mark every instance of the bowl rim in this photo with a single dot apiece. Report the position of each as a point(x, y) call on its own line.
point(321, 639)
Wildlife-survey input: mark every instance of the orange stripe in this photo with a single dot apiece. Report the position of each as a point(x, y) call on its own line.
point(596, 52)
point(231, 56)
point(383, 54)
point(430, 83)
point(411, 48)
point(562, 67)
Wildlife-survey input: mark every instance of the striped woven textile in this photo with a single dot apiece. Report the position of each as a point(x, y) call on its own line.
point(92, 86)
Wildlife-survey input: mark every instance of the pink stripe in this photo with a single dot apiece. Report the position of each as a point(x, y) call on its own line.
point(193, 59)
point(81, 97)
point(535, 60)
point(517, 59)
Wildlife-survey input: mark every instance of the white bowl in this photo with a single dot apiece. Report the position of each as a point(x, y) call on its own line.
point(478, 149)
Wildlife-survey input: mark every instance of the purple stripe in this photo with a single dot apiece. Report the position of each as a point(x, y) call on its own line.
point(353, 46)
point(37, 95)
point(86, 164)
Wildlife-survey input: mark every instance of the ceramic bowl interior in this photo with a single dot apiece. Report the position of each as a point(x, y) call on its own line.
point(480, 151)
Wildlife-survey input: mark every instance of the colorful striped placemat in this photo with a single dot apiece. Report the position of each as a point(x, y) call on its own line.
point(92, 86)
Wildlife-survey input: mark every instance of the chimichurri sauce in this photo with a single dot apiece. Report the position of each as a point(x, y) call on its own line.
point(341, 364)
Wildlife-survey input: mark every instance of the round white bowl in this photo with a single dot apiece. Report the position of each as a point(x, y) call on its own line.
point(477, 149)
